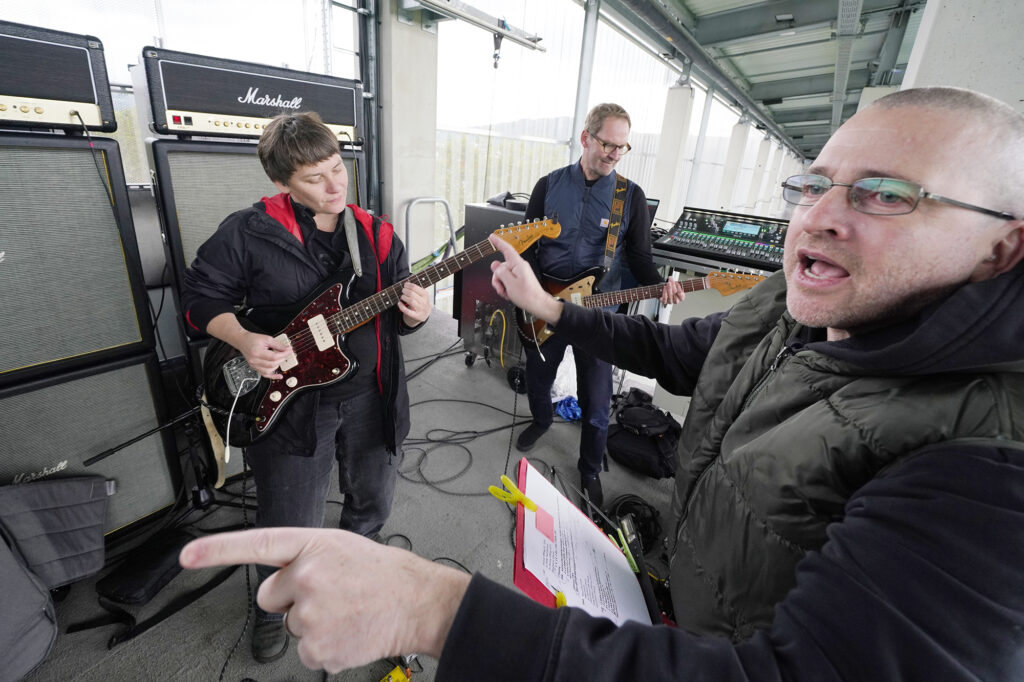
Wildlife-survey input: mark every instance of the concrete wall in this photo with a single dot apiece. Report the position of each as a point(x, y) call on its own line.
point(408, 99)
point(971, 44)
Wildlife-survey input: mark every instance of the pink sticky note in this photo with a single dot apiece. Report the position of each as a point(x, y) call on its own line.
point(546, 524)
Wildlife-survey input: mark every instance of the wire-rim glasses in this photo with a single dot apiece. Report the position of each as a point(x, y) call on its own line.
point(874, 196)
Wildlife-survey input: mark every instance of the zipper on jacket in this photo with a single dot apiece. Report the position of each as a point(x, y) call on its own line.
point(786, 350)
point(684, 511)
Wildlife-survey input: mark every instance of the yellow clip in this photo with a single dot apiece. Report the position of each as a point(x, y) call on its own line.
point(559, 599)
point(511, 497)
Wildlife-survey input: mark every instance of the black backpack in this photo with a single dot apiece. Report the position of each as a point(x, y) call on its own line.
point(643, 438)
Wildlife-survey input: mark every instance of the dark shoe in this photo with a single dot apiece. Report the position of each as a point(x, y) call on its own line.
point(269, 640)
point(528, 438)
point(591, 487)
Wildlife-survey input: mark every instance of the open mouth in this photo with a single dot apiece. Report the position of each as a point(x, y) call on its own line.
point(820, 268)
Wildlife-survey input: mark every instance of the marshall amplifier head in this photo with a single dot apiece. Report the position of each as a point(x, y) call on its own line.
point(195, 95)
point(48, 79)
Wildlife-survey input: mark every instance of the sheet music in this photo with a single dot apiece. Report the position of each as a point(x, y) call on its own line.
point(580, 561)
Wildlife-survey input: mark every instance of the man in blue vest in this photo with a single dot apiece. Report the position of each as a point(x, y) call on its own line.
point(605, 225)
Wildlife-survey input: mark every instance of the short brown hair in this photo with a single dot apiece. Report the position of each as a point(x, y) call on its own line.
point(600, 113)
point(294, 140)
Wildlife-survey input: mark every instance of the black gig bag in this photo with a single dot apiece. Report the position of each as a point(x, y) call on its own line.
point(643, 438)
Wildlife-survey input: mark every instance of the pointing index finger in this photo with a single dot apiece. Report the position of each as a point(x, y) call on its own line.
point(270, 546)
point(508, 251)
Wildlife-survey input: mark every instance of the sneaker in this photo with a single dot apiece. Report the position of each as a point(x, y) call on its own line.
point(528, 438)
point(269, 640)
point(591, 487)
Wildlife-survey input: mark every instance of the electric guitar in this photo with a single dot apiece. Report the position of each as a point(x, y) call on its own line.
point(534, 332)
point(315, 330)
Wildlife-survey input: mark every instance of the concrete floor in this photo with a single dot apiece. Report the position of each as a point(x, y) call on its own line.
point(460, 443)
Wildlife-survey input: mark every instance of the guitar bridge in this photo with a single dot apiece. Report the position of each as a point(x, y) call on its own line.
point(239, 377)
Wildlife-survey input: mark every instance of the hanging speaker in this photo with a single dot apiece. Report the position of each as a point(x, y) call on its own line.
point(201, 183)
point(75, 423)
point(71, 289)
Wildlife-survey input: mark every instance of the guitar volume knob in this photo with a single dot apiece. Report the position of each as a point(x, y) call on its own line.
point(275, 396)
point(291, 382)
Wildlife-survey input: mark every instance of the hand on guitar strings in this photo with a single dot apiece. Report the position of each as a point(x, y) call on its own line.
point(414, 304)
point(514, 280)
point(264, 354)
point(672, 293)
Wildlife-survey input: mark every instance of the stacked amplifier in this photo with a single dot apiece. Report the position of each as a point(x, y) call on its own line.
point(702, 239)
point(80, 387)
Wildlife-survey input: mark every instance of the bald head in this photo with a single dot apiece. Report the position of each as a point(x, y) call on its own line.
point(992, 137)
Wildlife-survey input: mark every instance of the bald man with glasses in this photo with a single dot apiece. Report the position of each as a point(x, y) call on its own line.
point(850, 496)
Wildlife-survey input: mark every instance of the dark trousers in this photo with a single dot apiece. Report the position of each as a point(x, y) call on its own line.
point(292, 465)
point(594, 395)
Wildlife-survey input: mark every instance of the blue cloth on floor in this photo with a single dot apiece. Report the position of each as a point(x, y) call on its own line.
point(568, 409)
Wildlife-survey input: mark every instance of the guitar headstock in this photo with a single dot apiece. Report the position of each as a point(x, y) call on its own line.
point(730, 282)
point(522, 235)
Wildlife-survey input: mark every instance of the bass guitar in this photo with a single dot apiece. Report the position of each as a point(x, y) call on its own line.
point(245, 406)
point(534, 332)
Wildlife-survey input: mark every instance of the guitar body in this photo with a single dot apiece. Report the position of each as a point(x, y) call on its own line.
point(534, 332)
point(260, 400)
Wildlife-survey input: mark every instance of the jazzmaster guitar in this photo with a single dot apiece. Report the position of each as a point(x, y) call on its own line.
point(316, 331)
point(578, 290)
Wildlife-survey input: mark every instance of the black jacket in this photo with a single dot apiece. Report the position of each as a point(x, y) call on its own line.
point(256, 260)
point(920, 578)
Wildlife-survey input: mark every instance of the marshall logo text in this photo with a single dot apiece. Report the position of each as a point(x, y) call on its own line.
point(252, 97)
point(42, 473)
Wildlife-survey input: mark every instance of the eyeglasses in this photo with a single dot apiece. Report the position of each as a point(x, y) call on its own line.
point(608, 147)
point(874, 196)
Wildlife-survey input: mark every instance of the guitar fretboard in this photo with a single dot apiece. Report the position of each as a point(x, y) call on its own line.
point(640, 293)
point(355, 315)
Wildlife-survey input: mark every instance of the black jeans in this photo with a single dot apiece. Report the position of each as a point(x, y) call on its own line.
point(593, 391)
point(292, 465)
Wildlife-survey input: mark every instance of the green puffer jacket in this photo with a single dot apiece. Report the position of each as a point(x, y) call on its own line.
point(777, 438)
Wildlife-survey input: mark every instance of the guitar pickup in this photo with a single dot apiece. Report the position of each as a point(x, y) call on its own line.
point(321, 332)
point(291, 360)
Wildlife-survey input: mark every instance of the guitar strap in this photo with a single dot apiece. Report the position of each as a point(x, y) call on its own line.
point(615, 220)
point(353, 241)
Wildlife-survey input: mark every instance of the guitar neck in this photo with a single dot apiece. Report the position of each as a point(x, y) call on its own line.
point(368, 308)
point(640, 293)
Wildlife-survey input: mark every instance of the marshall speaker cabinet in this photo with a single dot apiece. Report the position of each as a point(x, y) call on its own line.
point(68, 425)
point(71, 290)
point(51, 79)
point(191, 94)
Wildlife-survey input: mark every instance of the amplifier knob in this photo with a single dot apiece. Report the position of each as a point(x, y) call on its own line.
point(216, 123)
point(3, 107)
point(38, 110)
point(247, 125)
point(24, 109)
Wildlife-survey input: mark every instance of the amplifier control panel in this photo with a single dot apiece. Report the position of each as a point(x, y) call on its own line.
point(733, 238)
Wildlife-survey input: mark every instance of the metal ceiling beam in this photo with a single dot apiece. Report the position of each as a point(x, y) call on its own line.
point(814, 114)
point(798, 131)
point(761, 19)
point(811, 85)
point(685, 52)
point(890, 49)
point(847, 25)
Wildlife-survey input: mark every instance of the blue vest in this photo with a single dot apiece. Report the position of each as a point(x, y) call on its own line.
point(583, 214)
